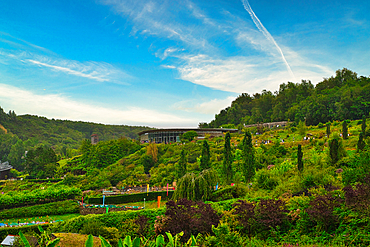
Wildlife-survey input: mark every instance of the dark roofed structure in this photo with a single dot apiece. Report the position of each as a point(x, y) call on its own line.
point(5, 170)
point(173, 135)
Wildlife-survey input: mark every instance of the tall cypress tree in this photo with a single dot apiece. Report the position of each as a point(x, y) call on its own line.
point(361, 143)
point(334, 150)
point(363, 126)
point(300, 156)
point(205, 159)
point(228, 159)
point(248, 165)
point(328, 129)
point(181, 165)
point(345, 130)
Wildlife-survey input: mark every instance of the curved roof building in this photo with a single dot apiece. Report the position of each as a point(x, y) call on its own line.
point(173, 135)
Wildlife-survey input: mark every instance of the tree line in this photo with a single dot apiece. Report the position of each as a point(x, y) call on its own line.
point(343, 96)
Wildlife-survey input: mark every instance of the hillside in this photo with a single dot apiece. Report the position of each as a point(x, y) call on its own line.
point(343, 96)
point(304, 185)
point(23, 133)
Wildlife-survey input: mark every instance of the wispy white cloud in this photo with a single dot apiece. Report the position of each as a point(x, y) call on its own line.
point(168, 66)
point(17, 42)
point(208, 107)
point(260, 64)
point(61, 107)
point(247, 74)
point(97, 71)
point(160, 19)
point(69, 71)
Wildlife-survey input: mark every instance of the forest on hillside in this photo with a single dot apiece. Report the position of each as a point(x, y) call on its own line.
point(19, 134)
point(343, 96)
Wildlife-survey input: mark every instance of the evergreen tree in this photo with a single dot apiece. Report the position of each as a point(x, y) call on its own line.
point(181, 165)
point(361, 143)
point(333, 150)
point(328, 129)
point(300, 156)
point(248, 164)
point(363, 126)
point(228, 159)
point(345, 130)
point(205, 158)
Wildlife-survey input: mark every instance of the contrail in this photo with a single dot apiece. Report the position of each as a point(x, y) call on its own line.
point(266, 33)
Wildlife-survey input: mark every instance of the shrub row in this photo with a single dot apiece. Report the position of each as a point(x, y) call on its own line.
point(122, 222)
point(53, 208)
point(38, 196)
point(127, 198)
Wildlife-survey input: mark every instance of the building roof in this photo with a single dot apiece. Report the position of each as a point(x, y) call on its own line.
point(5, 166)
point(186, 129)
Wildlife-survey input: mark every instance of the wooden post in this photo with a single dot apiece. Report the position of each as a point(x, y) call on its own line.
point(159, 201)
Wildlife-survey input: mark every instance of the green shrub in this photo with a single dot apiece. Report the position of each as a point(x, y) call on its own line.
point(229, 192)
point(265, 180)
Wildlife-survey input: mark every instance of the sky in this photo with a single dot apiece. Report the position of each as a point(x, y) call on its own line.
point(169, 63)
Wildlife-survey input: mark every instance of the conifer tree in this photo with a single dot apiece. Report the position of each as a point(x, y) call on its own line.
point(361, 143)
point(328, 129)
point(205, 158)
point(300, 156)
point(333, 150)
point(345, 130)
point(181, 169)
point(248, 165)
point(363, 126)
point(228, 159)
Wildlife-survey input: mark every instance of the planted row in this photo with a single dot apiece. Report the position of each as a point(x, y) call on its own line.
point(38, 196)
point(53, 208)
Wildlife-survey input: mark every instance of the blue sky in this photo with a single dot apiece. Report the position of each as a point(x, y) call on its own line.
point(168, 63)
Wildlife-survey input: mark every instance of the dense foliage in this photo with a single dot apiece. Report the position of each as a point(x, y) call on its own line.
point(188, 217)
point(23, 133)
point(299, 184)
point(38, 196)
point(343, 96)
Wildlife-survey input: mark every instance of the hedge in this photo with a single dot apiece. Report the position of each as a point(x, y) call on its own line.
point(120, 220)
point(38, 196)
point(54, 208)
point(127, 198)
